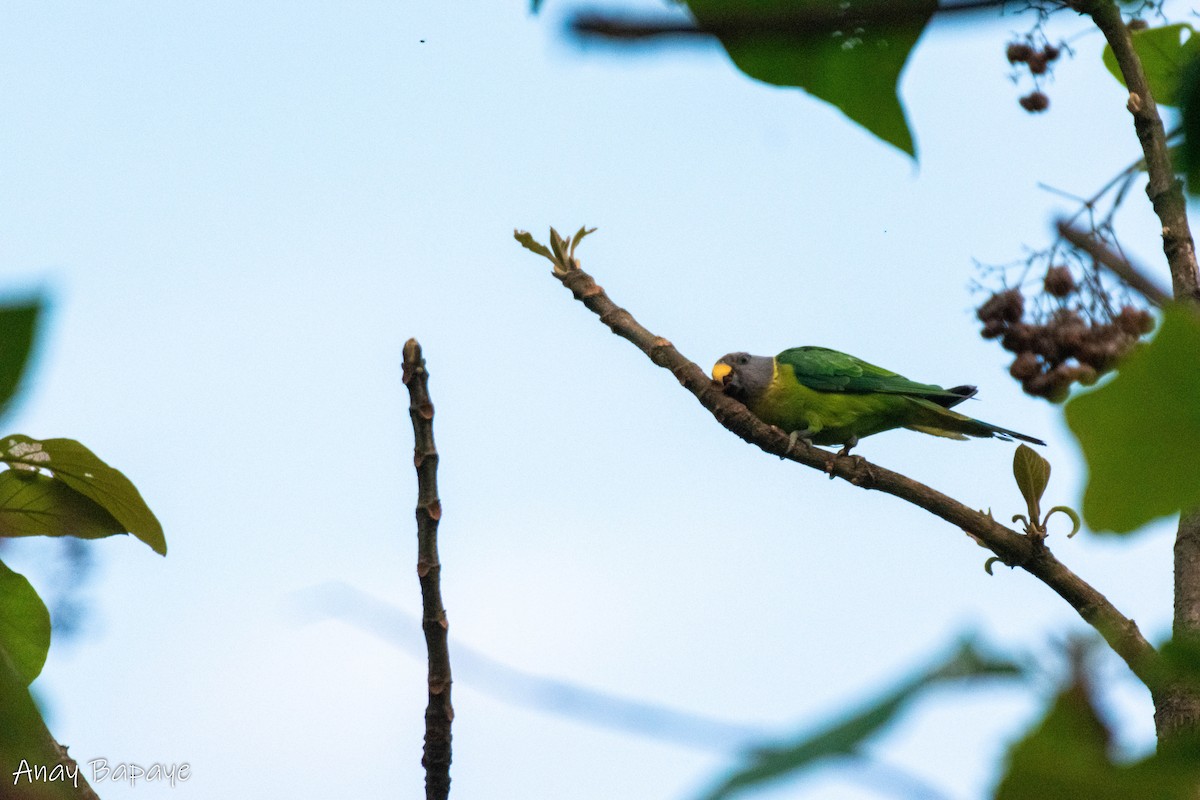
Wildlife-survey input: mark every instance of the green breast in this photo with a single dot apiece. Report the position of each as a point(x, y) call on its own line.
point(835, 417)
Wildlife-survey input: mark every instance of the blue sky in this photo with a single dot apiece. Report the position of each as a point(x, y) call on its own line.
point(243, 211)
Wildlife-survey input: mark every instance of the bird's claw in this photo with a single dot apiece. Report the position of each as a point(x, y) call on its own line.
point(798, 436)
point(859, 461)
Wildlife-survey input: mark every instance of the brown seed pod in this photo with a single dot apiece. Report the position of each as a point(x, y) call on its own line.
point(1039, 385)
point(1135, 321)
point(1058, 391)
point(1051, 53)
point(1045, 343)
point(1008, 305)
point(1037, 62)
point(1035, 102)
point(1025, 366)
point(1070, 338)
point(1102, 356)
point(1018, 338)
point(993, 328)
point(1018, 52)
point(1059, 282)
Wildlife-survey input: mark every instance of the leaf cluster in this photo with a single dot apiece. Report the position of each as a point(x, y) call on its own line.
point(51, 487)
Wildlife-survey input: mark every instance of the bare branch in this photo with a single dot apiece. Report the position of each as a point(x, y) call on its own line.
point(800, 23)
point(438, 713)
point(1115, 262)
point(1011, 547)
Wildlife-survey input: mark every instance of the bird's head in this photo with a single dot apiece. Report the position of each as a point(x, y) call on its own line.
point(743, 376)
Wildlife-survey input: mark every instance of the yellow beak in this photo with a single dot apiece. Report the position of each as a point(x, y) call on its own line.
point(720, 371)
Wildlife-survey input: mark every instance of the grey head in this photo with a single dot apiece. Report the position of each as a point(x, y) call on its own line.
point(743, 376)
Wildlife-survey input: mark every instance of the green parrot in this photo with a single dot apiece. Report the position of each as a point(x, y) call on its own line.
point(825, 397)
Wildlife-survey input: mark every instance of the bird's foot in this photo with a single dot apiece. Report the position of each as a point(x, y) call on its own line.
point(799, 436)
point(845, 453)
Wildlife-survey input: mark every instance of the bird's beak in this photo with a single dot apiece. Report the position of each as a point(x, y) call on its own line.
point(721, 372)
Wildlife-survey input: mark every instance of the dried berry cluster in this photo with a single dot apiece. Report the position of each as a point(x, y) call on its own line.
point(1038, 62)
point(1064, 347)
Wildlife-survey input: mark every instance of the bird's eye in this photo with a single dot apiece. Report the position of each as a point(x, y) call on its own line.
point(744, 360)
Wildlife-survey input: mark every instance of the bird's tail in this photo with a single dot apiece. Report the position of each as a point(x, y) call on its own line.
point(954, 395)
point(939, 421)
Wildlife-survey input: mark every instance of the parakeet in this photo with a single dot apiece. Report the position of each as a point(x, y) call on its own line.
point(829, 398)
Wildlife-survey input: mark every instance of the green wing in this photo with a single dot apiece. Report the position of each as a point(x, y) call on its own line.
point(828, 370)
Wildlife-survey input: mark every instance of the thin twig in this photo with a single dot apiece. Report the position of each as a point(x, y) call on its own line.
point(1114, 262)
point(1010, 547)
point(438, 713)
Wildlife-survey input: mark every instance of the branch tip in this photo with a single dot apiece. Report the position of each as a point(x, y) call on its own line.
point(561, 253)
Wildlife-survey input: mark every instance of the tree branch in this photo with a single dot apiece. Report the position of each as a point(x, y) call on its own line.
point(801, 23)
point(1115, 262)
point(26, 743)
point(1163, 188)
point(438, 713)
point(1014, 549)
point(1176, 708)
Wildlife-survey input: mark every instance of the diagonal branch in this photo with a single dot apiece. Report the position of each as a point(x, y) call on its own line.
point(1115, 262)
point(1014, 549)
point(438, 713)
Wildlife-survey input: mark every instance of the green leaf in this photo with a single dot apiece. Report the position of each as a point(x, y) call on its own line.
point(1032, 473)
point(1140, 433)
point(24, 624)
point(1164, 52)
point(1076, 523)
point(558, 246)
point(529, 243)
point(845, 736)
point(33, 504)
point(849, 53)
point(583, 231)
point(1067, 755)
point(81, 470)
point(1189, 97)
point(1061, 754)
point(1178, 662)
point(18, 321)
